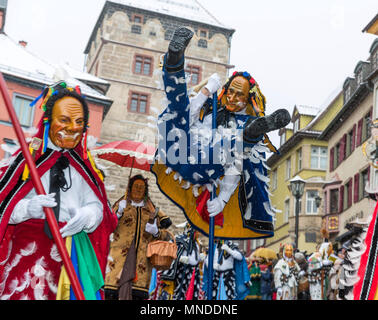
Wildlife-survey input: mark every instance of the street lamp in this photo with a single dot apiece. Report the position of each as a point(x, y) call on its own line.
point(296, 187)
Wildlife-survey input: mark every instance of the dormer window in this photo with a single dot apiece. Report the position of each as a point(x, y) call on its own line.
point(359, 77)
point(203, 33)
point(296, 125)
point(282, 139)
point(347, 93)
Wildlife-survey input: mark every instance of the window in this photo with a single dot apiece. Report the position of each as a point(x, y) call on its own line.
point(296, 125)
point(137, 18)
point(336, 155)
point(334, 200)
point(143, 65)
point(374, 60)
point(366, 128)
point(359, 77)
point(168, 34)
point(136, 29)
point(364, 178)
point(274, 179)
point(288, 168)
point(347, 93)
point(347, 195)
point(299, 159)
point(287, 211)
point(203, 33)
point(202, 43)
point(195, 72)
point(350, 141)
point(138, 102)
point(282, 139)
point(23, 110)
point(319, 158)
point(310, 202)
point(310, 236)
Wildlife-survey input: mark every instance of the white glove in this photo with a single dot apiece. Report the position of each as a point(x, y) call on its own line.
point(215, 206)
point(152, 228)
point(202, 256)
point(225, 247)
point(301, 273)
point(214, 83)
point(184, 259)
point(279, 292)
point(81, 219)
point(121, 206)
point(35, 205)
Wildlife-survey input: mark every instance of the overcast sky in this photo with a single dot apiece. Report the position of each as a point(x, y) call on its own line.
point(299, 51)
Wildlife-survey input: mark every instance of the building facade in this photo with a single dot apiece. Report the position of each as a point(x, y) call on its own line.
point(349, 172)
point(302, 154)
point(126, 49)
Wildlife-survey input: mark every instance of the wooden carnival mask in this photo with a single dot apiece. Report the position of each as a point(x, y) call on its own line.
point(67, 123)
point(138, 190)
point(237, 94)
point(288, 250)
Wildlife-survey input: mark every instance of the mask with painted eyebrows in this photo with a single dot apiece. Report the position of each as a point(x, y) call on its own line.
point(237, 94)
point(67, 123)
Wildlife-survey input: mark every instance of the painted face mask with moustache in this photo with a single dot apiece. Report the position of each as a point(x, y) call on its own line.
point(67, 125)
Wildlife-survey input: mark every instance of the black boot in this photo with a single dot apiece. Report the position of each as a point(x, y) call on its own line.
point(176, 49)
point(256, 127)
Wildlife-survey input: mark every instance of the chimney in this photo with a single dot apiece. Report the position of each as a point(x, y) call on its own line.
point(3, 11)
point(22, 43)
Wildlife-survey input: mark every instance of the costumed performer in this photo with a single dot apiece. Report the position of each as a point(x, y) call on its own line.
point(230, 272)
point(286, 272)
point(190, 160)
point(30, 264)
point(319, 266)
point(185, 270)
point(129, 270)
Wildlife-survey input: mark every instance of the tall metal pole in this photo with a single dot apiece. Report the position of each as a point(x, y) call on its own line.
point(40, 190)
point(296, 222)
point(211, 222)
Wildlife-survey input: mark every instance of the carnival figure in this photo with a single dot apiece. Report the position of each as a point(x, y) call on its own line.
point(286, 274)
point(319, 266)
point(185, 270)
point(191, 160)
point(30, 264)
point(230, 272)
point(140, 222)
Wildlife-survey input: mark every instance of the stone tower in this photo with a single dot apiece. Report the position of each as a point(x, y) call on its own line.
point(125, 49)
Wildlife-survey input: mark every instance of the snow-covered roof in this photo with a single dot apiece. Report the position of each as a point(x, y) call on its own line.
point(187, 9)
point(18, 61)
point(307, 110)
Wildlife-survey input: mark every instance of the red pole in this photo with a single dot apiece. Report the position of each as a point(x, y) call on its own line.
point(40, 190)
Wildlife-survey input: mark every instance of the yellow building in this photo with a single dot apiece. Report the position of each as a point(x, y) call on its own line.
point(301, 153)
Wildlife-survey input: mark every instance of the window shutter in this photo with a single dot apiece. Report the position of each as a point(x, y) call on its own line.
point(356, 186)
point(350, 193)
point(341, 199)
point(353, 139)
point(342, 148)
point(359, 132)
point(331, 159)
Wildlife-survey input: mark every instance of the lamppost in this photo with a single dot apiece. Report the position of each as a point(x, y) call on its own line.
point(296, 187)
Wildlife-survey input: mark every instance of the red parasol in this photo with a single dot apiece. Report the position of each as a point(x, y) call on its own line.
point(126, 153)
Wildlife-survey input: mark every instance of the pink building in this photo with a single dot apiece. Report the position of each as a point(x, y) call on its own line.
point(26, 75)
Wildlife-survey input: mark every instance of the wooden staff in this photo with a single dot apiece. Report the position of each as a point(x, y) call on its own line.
point(36, 180)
